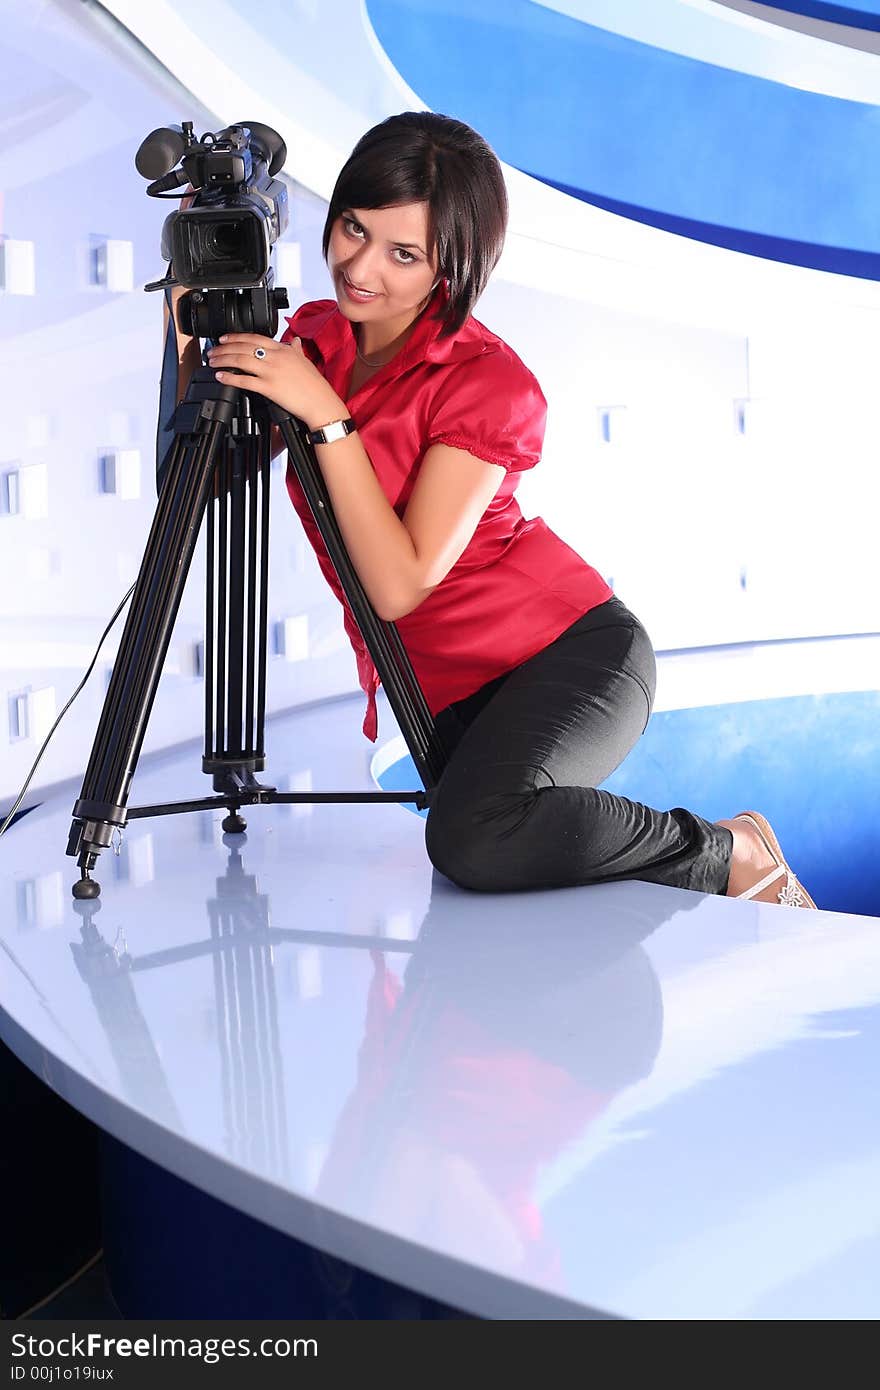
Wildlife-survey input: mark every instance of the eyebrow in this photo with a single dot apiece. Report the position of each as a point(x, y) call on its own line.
point(407, 245)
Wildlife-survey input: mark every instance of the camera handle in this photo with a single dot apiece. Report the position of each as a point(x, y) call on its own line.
point(220, 455)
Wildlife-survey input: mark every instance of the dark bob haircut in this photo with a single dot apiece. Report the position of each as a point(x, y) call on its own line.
point(423, 157)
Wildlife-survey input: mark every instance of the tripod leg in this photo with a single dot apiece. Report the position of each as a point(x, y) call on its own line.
point(237, 599)
point(101, 807)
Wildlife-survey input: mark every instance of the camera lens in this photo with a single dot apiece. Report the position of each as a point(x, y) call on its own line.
point(223, 240)
point(218, 247)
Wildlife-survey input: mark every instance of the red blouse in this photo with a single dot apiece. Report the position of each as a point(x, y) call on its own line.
point(517, 585)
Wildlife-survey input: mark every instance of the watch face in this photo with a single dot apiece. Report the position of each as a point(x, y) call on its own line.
point(338, 430)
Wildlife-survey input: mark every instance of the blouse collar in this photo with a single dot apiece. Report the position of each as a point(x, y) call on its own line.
point(333, 335)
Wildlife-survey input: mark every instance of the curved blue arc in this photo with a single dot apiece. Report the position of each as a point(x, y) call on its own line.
point(839, 260)
point(719, 155)
point(860, 16)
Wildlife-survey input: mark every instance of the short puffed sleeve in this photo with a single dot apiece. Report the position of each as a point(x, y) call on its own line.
point(308, 320)
point(493, 407)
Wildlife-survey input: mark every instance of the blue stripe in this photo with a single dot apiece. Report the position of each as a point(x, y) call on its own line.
point(863, 264)
point(864, 16)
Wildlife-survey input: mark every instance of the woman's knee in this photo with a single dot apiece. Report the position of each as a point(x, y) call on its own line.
point(476, 846)
point(523, 840)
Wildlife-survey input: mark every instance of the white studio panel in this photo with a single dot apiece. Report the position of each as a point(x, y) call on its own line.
point(33, 492)
point(43, 708)
point(292, 638)
point(114, 265)
point(119, 473)
point(17, 266)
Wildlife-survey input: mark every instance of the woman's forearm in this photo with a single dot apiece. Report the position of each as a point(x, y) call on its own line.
point(188, 362)
point(380, 546)
point(189, 355)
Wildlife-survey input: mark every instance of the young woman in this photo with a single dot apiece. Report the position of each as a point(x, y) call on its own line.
point(539, 677)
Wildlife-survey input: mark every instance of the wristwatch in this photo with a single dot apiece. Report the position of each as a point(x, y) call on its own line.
point(337, 429)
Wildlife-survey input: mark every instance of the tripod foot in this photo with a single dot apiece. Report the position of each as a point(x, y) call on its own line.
point(234, 824)
point(86, 887)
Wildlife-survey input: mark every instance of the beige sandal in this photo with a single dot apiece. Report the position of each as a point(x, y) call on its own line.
point(794, 894)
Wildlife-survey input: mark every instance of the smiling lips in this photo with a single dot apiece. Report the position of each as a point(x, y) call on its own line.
point(360, 295)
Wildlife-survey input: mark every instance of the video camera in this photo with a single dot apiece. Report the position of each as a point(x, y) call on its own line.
point(220, 248)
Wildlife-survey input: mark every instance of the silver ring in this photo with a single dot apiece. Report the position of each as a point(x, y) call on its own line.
point(260, 352)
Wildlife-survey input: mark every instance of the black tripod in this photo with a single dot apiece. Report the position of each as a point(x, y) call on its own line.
point(219, 461)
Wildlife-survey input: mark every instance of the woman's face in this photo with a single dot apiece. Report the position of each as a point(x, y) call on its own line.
point(383, 251)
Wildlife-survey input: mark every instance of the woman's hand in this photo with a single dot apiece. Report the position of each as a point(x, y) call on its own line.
point(283, 374)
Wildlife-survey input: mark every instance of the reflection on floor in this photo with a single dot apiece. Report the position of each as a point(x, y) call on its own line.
point(528, 1105)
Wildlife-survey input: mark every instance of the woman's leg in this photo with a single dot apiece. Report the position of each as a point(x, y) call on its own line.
point(518, 806)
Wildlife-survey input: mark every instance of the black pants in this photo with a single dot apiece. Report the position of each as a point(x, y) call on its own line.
point(519, 804)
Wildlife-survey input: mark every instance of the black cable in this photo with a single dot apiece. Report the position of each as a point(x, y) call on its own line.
point(66, 1283)
point(18, 800)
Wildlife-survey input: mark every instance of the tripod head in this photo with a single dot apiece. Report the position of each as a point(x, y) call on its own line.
point(210, 313)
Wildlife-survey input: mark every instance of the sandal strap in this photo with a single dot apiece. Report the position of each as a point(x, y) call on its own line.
point(764, 882)
point(790, 896)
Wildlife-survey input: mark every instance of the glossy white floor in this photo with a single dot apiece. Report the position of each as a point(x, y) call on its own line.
point(625, 1099)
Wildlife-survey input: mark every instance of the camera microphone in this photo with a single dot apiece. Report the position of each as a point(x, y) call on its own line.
point(160, 151)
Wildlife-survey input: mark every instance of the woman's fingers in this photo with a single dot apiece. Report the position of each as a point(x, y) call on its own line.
point(230, 357)
point(282, 372)
point(263, 386)
point(249, 340)
point(238, 353)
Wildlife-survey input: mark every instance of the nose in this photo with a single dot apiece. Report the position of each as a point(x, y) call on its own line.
point(363, 268)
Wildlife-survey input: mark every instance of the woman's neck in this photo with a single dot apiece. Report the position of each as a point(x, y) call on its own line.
point(382, 341)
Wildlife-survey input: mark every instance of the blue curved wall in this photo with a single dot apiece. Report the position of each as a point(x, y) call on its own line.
point(684, 145)
point(806, 762)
